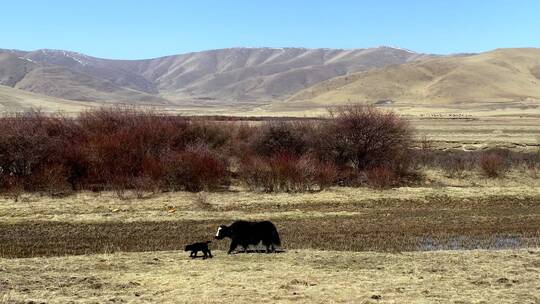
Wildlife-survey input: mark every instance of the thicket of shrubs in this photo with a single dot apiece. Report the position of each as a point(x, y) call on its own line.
point(287, 172)
point(114, 149)
point(121, 148)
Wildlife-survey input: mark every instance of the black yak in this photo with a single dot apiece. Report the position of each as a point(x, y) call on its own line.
point(196, 247)
point(246, 233)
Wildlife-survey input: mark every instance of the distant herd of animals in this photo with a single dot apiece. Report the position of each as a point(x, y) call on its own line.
point(241, 233)
point(447, 116)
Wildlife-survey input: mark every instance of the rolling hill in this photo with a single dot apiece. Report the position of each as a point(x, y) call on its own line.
point(499, 77)
point(14, 100)
point(66, 83)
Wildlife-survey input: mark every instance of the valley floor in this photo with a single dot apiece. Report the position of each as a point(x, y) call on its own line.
point(343, 245)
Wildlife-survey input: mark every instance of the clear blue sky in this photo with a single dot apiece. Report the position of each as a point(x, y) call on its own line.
point(144, 29)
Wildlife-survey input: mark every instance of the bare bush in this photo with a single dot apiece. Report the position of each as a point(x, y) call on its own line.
point(32, 148)
point(456, 164)
point(350, 177)
point(201, 201)
point(256, 173)
point(286, 173)
point(492, 165)
point(423, 154)
point(381, 177)
point(51, 179)
point(12, 187)
point(145, 187)
point(367, 137)
point(281, 137)
point(195, 169)
point(325, 175)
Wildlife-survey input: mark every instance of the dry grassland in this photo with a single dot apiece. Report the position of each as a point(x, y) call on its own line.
point(343, 245)
point(306, 276)
point(464, 213)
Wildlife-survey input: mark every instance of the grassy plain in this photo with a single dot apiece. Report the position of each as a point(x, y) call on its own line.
point(348, 245)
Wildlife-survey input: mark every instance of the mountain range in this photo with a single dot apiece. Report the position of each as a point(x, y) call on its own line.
point(254, 77)
point(225, 76)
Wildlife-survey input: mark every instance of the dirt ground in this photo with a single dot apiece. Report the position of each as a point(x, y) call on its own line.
point(308, 276)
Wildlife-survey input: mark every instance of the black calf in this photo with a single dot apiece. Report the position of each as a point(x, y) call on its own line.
point(196, 247)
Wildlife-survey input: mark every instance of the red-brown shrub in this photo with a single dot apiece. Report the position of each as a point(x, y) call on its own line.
point(128, 150)
point(11, 186)
point(112, 148)
point(492, 165)
point(31, 150)
point(240, 141)
point(350, 177)
point(281, 138)
point(366, 137)
point(195, 170)
point(381, 177)
point(286, 173)
point(325, 175)
point(256, 173)
point(52, 179)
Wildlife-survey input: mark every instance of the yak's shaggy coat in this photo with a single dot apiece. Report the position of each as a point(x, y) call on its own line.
point(246, 233)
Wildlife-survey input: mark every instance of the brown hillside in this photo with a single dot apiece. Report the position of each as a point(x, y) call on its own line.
point(499, 76)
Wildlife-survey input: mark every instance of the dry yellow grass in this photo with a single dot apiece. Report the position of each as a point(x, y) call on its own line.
point(107, 207)
point(303, 276)
point(511, 132)
point(14, 100)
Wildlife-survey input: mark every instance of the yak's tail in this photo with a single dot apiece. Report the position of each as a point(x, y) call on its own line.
point(275, 237)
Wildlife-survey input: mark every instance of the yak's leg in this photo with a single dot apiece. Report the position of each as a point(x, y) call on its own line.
point(205, 255)
point(210, 253)
point(245, 246)
point(193, 254)
point(268, 246)
point(232, 247)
